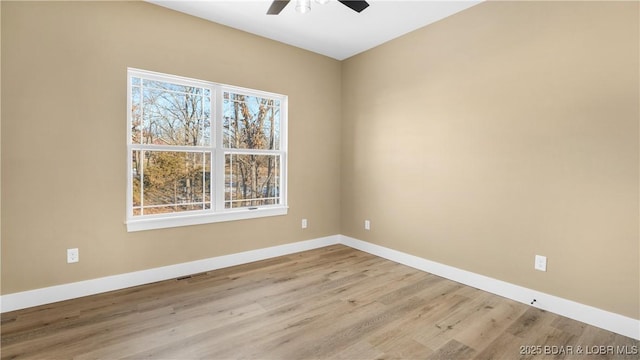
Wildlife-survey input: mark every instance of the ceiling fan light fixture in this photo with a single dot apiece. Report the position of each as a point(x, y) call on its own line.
point(303, 6)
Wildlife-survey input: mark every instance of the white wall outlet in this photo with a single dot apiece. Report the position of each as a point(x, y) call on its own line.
point(305, 223)
point(367, 225)
point(541, 263)
point(73, 255)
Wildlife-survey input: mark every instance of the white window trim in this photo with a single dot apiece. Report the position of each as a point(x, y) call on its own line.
point(217, 213)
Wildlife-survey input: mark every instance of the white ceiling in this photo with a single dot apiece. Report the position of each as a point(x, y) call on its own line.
point(331, 29)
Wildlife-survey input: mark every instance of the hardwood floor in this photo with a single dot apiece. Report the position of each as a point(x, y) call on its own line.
point(333, 302)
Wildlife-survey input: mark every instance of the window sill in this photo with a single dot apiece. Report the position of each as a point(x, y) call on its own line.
point(162, 222)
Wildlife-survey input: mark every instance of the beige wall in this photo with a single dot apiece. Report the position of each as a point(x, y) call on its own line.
point(0, 149)
point(505, 131)
point(64, 136)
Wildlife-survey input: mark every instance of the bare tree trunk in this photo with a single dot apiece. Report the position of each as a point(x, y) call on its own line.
point(271, 146)
point(175, 196)
point(244, 183)
point(254, 179)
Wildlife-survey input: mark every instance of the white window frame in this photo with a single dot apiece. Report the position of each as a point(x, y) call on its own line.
point(217, 212)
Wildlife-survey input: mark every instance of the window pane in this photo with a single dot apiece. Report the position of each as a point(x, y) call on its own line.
point(136, 177)
point(171, 114)
point(206, 123)
point(171, 181)
point(167, 86)
point(251, 122)
point(136, 114)
point(251, 180)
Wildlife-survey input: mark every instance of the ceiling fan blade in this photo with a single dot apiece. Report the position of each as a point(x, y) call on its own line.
point(356, 6)
point(277, 6)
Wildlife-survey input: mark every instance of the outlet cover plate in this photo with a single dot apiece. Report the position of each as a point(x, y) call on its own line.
point(73, 255)
point(541, 263)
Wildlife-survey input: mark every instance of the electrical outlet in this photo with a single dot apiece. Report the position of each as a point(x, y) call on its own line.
point(541, 263)
point(73, 255)
point(305, 223)
point(367, 225)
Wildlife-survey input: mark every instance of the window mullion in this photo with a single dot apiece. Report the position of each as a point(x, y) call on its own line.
point(219, 169)
point(142, 155)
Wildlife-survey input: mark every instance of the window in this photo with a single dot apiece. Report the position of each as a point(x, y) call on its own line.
point(200, 152)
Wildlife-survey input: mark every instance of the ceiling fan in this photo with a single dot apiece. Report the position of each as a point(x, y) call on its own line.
point(305, 5)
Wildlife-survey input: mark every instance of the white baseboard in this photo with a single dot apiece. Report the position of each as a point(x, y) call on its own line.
point(26, 299)
point(584, 313)
point(590, 315)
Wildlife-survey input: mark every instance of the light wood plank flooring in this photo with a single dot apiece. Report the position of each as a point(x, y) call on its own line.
point(328, 303)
